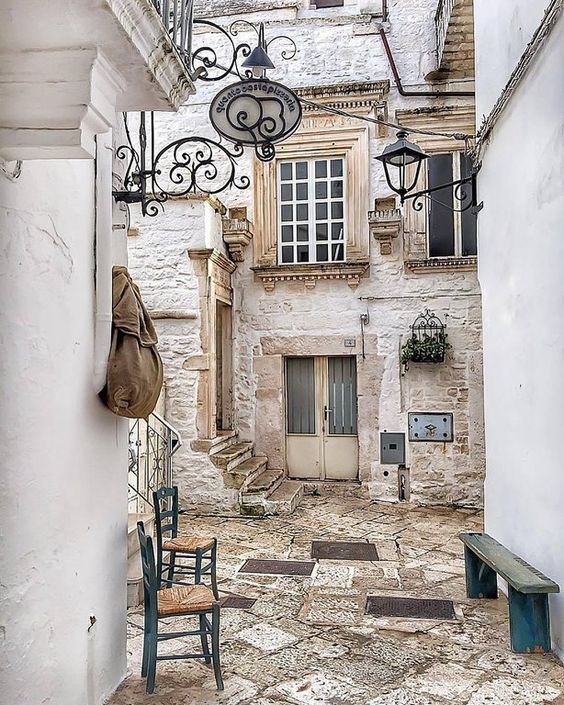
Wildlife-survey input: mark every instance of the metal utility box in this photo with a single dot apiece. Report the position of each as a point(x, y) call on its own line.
point(392, 448)
point(434, 427)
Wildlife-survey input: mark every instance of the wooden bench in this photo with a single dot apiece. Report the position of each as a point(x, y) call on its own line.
point(529, 622)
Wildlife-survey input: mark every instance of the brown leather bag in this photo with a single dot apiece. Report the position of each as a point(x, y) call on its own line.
point(135, 370)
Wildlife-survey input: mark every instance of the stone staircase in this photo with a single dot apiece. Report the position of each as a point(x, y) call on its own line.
point(262, 490)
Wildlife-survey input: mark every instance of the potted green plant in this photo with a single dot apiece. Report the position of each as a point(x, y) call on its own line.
point(425, 348)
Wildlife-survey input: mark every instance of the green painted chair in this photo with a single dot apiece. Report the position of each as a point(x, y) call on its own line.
point(177, 601)
point(187, 555)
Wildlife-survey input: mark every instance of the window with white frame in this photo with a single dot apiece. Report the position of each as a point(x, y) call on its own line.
point(450, 234)
point(311, 210)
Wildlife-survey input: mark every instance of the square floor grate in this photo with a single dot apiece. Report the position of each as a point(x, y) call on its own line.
point(411, 607)
point(268, 567)
point(238, 602)
point(344, 550)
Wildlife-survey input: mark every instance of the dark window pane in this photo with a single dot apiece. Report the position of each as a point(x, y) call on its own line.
point(303, 253)
point(337, 252)
point(301, 192)
point(321, 211)
point(469, 243)
point(287, 233)
point(301, 170)
point(321, 189)
point(302, 233)
point(341, 378)
point(336, 167)
point(286, 214)
point(337, 209)
point(336, 189)
point(321, 231)
point(322, 253)
point(285, 172)
point(336, 231)
point(287, 254)
point(441, 219)
point(301, 211)
point(320, 169)
point(300, 394)
point(286, 192)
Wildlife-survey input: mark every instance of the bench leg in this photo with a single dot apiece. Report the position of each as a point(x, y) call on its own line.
point(529, 623)
point(481, 580)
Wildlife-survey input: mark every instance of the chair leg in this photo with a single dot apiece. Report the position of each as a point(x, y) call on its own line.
point(204, 638)
point(145, 653)
point(198, 567)
point(152, 659)
point(215, 647)
point(171, 567)
point(214, 570)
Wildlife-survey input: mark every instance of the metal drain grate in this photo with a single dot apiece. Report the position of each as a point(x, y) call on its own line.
point(238, 602)
point(344, 550)
point(267, 567)
point(411, 607)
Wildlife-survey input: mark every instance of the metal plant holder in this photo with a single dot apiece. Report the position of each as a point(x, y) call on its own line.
point(428, 341)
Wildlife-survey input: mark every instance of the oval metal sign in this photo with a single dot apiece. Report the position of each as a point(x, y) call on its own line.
point(256, 112)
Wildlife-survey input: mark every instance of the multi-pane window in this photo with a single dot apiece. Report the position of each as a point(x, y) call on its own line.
point(451, 234)
point(311, 210)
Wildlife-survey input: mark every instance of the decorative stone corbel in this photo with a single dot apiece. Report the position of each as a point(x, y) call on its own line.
point(384, 223)
point(237, 232)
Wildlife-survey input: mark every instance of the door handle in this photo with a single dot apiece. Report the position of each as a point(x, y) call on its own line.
point(326, 412)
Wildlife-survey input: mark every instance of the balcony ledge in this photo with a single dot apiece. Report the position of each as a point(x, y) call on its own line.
point(310, 274)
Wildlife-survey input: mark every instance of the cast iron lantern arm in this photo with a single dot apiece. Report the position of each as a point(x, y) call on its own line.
point(459, 194)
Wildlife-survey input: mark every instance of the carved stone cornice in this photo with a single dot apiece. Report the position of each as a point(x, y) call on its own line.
point(442, 264)
point(237, 232)
point(310, 274)
point(215, 257)
point(361, 91)
point(385, 226)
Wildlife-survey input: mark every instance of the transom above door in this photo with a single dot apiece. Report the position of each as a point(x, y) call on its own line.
point(321, 418)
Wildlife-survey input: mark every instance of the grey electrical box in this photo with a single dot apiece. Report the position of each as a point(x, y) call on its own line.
point(392, 448)
point(433, 427)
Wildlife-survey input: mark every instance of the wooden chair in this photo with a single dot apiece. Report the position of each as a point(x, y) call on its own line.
point(178, 601)
point(198, 553)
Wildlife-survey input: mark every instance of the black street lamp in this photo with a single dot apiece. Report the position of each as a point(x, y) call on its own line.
point(403, 154)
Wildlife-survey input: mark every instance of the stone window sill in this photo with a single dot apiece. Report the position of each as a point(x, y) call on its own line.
point(442, 264)
point(310, 274)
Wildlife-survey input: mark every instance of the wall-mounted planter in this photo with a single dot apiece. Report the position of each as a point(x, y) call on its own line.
point(428, 341)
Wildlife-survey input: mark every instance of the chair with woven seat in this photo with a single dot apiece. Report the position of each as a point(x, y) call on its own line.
point(197, 553)
point(177, 601)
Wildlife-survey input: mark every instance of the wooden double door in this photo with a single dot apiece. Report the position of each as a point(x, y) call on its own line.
point(321, 417)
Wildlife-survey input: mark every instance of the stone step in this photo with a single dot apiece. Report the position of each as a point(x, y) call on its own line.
point(285, 498)
point(265, 483)
point(214, 445)
point(244, 473)
point(227, 458)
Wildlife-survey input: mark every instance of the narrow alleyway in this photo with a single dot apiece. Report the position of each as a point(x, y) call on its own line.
point(307, 639)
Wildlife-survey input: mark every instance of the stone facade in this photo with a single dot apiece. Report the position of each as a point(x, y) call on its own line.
point(309, 310)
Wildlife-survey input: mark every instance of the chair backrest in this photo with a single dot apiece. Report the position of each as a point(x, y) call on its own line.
point(150, 583)
point(165, 503)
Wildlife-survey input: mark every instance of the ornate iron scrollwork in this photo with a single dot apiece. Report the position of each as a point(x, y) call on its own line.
point(463, 192)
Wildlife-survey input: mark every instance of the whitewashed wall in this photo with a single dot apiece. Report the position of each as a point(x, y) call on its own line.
point(521, 249)
point(63, 492)
point(334, 46)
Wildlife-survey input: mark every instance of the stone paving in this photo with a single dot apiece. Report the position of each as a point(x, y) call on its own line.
point(306, 640)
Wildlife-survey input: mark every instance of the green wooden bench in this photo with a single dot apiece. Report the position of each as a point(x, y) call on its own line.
point(529, 622)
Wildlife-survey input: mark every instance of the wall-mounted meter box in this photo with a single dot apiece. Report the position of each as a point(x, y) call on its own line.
point(434, 427)
point(392, 448)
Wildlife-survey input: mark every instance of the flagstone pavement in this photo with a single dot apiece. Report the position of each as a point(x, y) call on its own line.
point(307, 640)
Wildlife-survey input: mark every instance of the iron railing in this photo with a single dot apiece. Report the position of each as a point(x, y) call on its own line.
point(152, 445)
point(177, 17)
point(442, 20)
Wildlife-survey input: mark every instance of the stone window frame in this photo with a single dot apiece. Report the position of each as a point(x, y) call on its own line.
point(450, 119)
point(315, 140)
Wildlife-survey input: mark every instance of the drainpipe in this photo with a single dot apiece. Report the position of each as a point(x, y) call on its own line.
point(416, 94)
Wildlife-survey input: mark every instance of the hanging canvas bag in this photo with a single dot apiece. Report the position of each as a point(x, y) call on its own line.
point(135, 371)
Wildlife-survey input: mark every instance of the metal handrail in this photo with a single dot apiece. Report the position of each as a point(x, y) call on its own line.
point(152, 445)
point(177, 17)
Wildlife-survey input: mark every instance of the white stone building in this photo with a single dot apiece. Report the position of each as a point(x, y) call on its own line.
point(264, 340)
point(67, 70)
point(520, 99)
